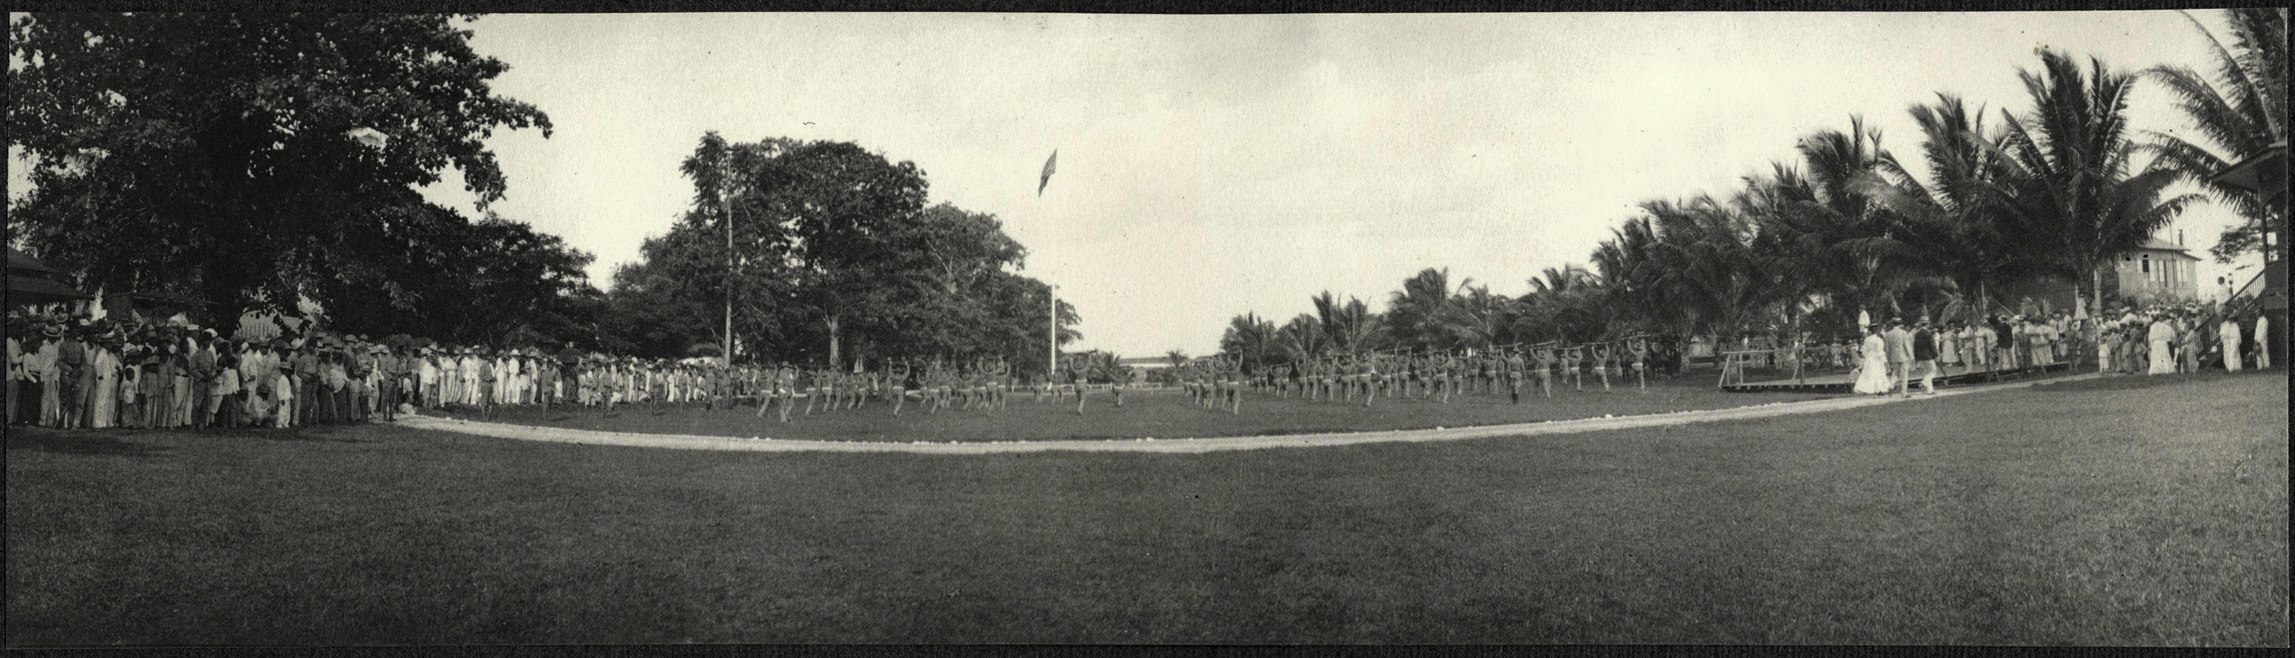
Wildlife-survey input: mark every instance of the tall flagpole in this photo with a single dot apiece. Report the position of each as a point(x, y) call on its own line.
point(1052, 344)
point(727, 202)
point(725, 206)
point(1051, 291)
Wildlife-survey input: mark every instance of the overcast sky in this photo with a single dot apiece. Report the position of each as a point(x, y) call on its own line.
point(1213, 165)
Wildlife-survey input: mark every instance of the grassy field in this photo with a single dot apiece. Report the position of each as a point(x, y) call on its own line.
point(2134, 511)
point(1160, 414)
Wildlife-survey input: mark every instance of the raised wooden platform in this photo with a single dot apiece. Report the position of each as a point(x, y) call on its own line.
point(1842, 383)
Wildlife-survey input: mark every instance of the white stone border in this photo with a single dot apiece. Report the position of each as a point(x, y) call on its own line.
point(699, 442)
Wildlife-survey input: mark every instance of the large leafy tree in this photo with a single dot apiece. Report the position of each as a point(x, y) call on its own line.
point(827, 254)
point(2239, 108)
point(780, 225)
point(244, 158)
point(2068, 185)
point(494, 281)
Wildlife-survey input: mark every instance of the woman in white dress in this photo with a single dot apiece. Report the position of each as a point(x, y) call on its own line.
point(107, 395)
point(2161, 337)
point(2262, 342)
point(2228, 336)
point(1873, 368)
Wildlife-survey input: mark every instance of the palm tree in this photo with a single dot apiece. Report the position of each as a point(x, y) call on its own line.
point(2067, 186)
point(1303, 338)
point(1478, 318)
point(1414, 314)
point(1710, 265)
point(1566, 279)
point(1568, 302)
point(1351, 327)
point(1629, 261)
point(1250, 338)
point(1953, 221)
point(1841, 239)
point(2239, 113)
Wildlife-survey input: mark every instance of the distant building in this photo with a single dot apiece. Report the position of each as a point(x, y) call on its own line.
point(1146, 362)
point(2157, 271)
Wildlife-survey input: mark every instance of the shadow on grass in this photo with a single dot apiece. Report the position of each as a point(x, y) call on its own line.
point(77, 443)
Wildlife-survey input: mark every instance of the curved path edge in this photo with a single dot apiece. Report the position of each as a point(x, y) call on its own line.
point(1212, 444)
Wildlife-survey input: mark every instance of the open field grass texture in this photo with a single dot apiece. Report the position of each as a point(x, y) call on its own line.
point(2147, 511)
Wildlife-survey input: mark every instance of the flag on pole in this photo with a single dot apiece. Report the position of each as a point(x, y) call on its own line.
point(1050, 164)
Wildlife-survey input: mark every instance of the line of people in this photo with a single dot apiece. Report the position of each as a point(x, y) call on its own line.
point(1219, 381)
point(79, 373)
point(2166, 340)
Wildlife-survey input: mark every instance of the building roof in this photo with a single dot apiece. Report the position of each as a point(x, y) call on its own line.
point(32, 288)
point(2156, 244)
point(2264, 172)
point(22, 262)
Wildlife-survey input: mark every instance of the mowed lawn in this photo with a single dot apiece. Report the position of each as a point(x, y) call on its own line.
point(2134, 511)
point(1163, 414)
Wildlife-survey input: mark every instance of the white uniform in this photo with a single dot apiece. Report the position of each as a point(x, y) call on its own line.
point(2229, 333)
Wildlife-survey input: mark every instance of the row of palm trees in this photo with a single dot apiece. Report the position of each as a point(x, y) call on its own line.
point(2055, 192)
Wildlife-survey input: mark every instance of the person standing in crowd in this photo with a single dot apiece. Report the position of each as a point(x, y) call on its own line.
point(2045, 340)
point(466, 367)
point(545, 379)
point(310, 387)
point(1948, 348)
point(15, 371)
point(103, 401)
point(2003, 341)
point(157, 378)
point(1924, 357)
point(1873, 364)
point(2060, 337)
point(203, 370)
point(287, 388)
point(2107, 347)
point(131, 384)
point(180, 389)
point(222, 404)
point(2179, 336)
point(397, 378)
point(426, 378)
point(1897, 344)
point(2262, 342)
point(486, 379)
point(334, 379)
point(2160, 340)
point(244, 363)
point(71, 366)
point(1976, 340)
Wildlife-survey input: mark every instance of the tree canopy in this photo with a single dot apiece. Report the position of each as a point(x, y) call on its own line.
point(834, 256)
point(252, 160)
